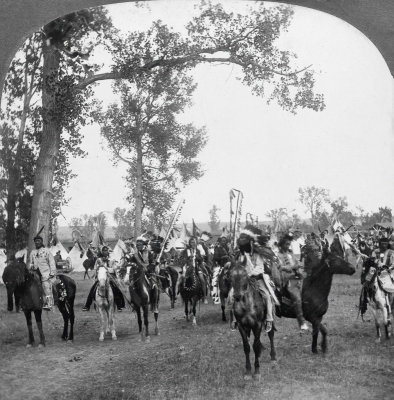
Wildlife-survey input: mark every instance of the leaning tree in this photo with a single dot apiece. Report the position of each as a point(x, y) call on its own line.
point(249, 41)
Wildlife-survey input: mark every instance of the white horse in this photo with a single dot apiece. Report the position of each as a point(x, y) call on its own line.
point(105, 302)
point(380, 300)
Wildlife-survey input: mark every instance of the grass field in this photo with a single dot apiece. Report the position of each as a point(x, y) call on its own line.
point(206, 362)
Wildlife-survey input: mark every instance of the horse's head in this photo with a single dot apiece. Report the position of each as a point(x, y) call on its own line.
point(239, 280)
point(102, 277)
point(133, 273)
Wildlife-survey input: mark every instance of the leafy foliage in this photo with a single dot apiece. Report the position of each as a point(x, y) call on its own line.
point(143, 131)
point(313, 198)
point(217, 36)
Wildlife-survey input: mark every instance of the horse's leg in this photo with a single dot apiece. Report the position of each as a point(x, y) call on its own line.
point(30, 343)
point(323, 331)
point(223, 306)
point(72, 319)
point(62, 308)
point(245, 333)
point(257, 347)
point(156, 311)
point(315, 334)
point(37, 314)
point(17, 302)
point(375, 313)
point(187, 309)
point(102, 318)
point(386, 317)
point(194, 303)
point(10, 298)
point(271, 336)
point(146, 322)
point(112, 320)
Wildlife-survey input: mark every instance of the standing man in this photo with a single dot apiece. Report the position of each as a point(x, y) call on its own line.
point(41, 259)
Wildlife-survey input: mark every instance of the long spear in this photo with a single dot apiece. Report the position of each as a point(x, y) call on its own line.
point(174, 220)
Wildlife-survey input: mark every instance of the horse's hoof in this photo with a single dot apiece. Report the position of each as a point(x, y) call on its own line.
point(247, 377)
point(41, 345)
point(147, 340)
point(29, 345)
point(257, 376)
point(377, 340)
point(114, 337)
point(314, 351)
point(101, 339)
point(157, 333)
point(70, 341)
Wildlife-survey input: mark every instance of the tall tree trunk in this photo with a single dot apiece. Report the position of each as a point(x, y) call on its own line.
point(12, 184)
point(138, 192)
point(49, 148)
point(15, 176)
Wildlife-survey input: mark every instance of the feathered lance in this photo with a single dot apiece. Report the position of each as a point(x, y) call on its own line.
point(174, 220)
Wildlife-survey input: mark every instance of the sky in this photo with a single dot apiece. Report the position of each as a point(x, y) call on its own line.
point(266, 152)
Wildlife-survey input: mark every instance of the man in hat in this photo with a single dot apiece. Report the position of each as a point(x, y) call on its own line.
point(291, 277)
point(256, 266)
point(42, 260)
point(104, 260)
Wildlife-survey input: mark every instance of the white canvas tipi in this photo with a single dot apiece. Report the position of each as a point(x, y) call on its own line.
point(61, 248)
point(3, 263)
point(76, 260)
point(118, 251)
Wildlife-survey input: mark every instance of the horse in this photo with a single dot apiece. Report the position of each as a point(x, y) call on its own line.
point(143, 294)
point(10, 278)
point(191, 290)
point(104, 299)
point(224, 284)
point(250, 311)
point(168, 278)
point(372, 293)
point(315, 290)
point(29, 289)
point(89, 263)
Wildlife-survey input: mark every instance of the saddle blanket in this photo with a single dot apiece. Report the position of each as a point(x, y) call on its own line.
point(386, 282)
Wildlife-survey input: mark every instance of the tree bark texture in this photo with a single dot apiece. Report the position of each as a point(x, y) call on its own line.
point(49, 148)
point(138, 191)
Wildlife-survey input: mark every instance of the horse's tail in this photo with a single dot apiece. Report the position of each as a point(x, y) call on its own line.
point(363, 303)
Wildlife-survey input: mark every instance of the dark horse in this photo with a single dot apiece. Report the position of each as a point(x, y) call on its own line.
point(191, 290)
point(30, 292)
point(143, 294)
point(316, 288)
point(168, 278)
point(88, 264)
point(10, 278)
point(224, 283)
point(250, 311)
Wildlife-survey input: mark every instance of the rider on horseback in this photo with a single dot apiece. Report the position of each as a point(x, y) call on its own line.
point(249, 244)
point(221, 257)
point(42, 260)
point(291, 277)
point(111, 266)
point(192, 256)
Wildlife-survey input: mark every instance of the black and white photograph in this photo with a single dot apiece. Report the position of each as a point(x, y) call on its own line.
point(196, 199)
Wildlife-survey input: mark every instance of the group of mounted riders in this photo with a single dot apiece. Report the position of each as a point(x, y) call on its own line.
point(276, 270)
